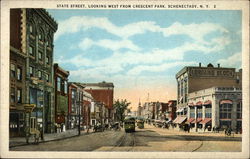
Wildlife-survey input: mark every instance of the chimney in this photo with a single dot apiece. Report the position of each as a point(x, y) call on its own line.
point(199, 64)
point(218, 65)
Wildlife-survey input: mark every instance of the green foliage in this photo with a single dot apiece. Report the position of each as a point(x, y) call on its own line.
point(121, 106)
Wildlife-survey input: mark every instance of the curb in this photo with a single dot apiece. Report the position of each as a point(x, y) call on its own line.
point(41, 141)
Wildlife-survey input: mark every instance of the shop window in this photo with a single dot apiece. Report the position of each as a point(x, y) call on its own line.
point(225, 111)
point(199, 110)
point(192, 112)
point(12, 70)
point(58, 84)
point(19, 95)
point(12, 95)
point(19, 73)
point(31, 70)
point(208, 111)
point(239, 110)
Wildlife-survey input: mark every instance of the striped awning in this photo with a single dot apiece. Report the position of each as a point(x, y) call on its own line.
point(226, 102)
point(207, 102)
point(179, 120)
point(206, 120)
point(199, 103)
point(197, 120)
point(190, 120)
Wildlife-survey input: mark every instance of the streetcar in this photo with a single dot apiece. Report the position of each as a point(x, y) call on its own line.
point(129, 124)
point(140, 123)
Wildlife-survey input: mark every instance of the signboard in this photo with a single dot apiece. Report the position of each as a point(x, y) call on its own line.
point(205, 72)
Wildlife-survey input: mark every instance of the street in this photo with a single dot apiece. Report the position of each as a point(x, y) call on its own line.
point(147, 139)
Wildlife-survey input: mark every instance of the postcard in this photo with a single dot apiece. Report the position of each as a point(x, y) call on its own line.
point(124, 79)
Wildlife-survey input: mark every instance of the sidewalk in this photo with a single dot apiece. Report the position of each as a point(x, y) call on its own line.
point(178, 132)
point(21, 141)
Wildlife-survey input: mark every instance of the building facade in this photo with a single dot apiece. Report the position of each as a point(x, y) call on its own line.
point(102, 92)
point(192, 78)
point(32, 32)
point(61, 97)
point(215, 107)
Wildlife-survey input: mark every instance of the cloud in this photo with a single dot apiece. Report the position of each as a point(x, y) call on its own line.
point(109, 44)
point(157, 68)
point(77, 23)
point(193, 30)
point(232, 61)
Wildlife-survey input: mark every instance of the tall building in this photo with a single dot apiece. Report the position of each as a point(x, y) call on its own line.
point(31, 40)
point(194, 78)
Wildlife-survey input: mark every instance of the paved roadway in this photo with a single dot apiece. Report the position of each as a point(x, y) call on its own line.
point(147, 139)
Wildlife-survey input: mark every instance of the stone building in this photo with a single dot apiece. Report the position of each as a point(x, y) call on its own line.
point(61, 96)
point(193, 78)
point(31, 40)
point(215, 107)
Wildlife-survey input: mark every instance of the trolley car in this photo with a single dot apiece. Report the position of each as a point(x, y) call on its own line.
point(140, 123)
point(129, 124)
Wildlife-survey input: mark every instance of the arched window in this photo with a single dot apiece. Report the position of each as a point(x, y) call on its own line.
point(239, 110)
point(226, 109)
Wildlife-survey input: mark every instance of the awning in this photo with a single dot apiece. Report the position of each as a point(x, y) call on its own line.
point(199, 103)
point(180, 120)
point(197, 120)
point(190, 120)
point(207, 102)
point(206, 120)
point(226, 102)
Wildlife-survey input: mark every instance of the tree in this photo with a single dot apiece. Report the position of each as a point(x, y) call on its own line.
point(120, 107)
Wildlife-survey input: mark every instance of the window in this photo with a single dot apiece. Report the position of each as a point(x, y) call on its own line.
point(31, 71)
point(12, 70)
point(47, 77)
point(225, 111)
point(199, 110)
point(40, 75)
point(40, 55)
point(192, 112)
point(208, 111)
point(31, 51)
point(239, 110)
point(12, 95)
point(65, 87)
point(58, 84)
point(47, 60)
point(19, 73)
point(31, 29)
point(19, 95)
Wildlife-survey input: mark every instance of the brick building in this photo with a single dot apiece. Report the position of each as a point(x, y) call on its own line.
point(31, 58)
point(61, 96)
point(102, 92)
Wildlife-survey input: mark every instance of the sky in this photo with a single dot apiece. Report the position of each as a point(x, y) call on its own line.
point(140, 51)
